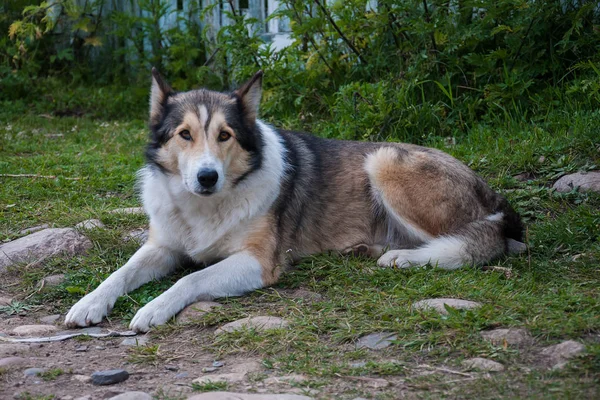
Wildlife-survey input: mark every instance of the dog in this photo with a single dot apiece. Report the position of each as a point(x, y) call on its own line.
point(225, 189)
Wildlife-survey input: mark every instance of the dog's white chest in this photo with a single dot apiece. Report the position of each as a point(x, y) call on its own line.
point(204, 229)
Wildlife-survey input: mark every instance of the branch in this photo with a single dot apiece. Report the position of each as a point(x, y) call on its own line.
point(337, 29)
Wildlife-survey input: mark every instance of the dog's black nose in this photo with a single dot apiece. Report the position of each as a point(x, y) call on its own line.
point(208, 177)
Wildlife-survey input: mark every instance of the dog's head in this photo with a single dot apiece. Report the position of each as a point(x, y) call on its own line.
point(207, 138)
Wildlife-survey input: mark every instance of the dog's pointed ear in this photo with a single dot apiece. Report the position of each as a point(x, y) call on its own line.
point(158, 96)
point(249, 95)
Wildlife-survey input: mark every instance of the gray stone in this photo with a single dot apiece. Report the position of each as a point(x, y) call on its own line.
point(34, 371)
point(5, 301)
point(287, 379)
point(260, 323)
point(90, 224)
point(13, 362)
point(439, 304)
point(33, 330)
point(81, 349)
point(43, 244)
point(557, 356)
point(128, 210)
point(195, 311)
point(33, 229)
point(232, 377)
point(52, 281)
point(100, 347)
point(132, 396)
point(512, 336)
point(247, 396)
point(50, 319)
point(209, 369)
point(217, 364)
point(139, 235)
point(182, 375)
point(585, 181)
point(482, 364)
point(11, 349)
point(171, 367)
point(376, 341)
point(134, 341)
point(109, 377)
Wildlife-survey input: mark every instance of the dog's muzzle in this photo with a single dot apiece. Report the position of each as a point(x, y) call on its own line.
point(207, 178)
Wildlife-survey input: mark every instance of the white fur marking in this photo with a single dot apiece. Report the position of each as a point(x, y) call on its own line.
point(203, 112)
point(495, 217)
point(233, 276)
point(445, 252)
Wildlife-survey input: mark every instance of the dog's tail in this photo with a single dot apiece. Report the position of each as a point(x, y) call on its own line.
point(476, 243)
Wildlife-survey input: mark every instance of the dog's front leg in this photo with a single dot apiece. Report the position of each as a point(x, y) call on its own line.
point(148, 263)
point(234, 276)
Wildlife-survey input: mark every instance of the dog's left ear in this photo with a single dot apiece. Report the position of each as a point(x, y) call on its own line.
point(249, 95)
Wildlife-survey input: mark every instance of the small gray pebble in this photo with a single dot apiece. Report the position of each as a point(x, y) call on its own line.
point(81, 348)
point(209, 369)
point(109, 377)
point(182, 375)
point(217, 364)
point(171, 367)
point(100, 347)
point(34, 371)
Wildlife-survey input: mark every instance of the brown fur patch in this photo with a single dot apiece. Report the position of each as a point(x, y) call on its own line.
point(262, 244)
point(428, 189)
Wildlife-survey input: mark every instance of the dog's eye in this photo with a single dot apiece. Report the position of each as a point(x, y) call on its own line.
point(185, 134)
point(224, 136)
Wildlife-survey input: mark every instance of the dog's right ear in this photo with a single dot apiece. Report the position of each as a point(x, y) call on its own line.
point(158, 96)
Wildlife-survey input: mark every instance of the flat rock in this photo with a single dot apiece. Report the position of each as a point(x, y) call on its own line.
point(585, 181)
point(13, 362)
point(557, 356)
point(134, 341)
point(376, 341)
point(482, 364)
point(11, 349)
point(90, 224)
point(232, 377)
point(33, 330)
point(109, 377)
point(52, 281)
point(439, 304)
point(33, 229)
point(195, 311)
point(287, 379)
point(512, 336)
point(42, 244)
point(139, 235)
point(247, 396)
point(5, 301)
point(260, 323)
point(34, 371)
point(132, 396)
point(128, 210)
point(50, 319)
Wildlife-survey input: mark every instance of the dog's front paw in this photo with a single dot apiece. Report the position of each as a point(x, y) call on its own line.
point(152, 314)
point(88, 311)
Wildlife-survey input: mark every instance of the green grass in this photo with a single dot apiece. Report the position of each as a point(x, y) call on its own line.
point(51, 374)
point(554, 290)
point(209, 386)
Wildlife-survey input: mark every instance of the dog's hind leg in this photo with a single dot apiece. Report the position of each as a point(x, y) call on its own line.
point(437, 204)
point(148, 263)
